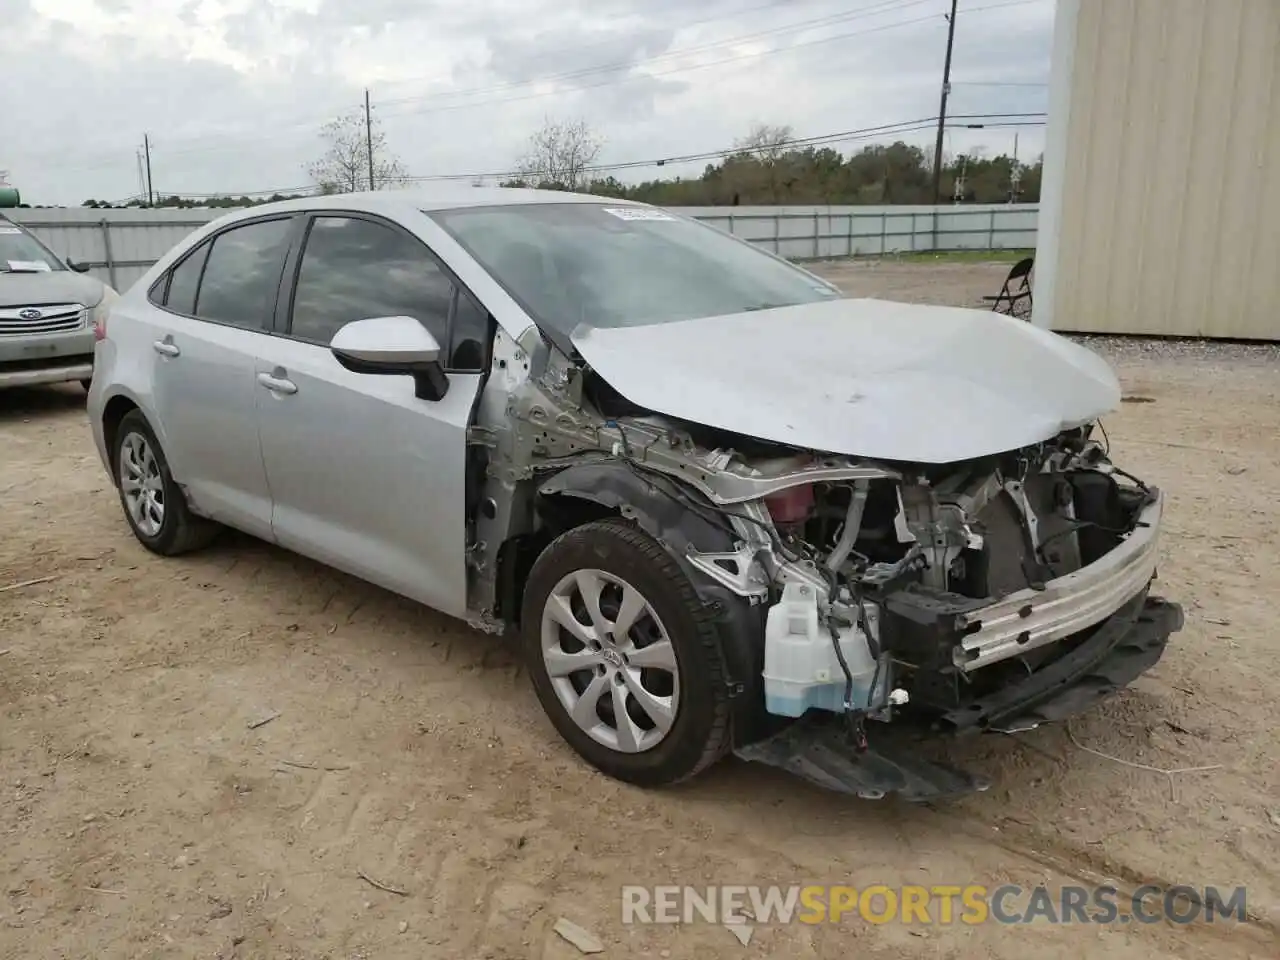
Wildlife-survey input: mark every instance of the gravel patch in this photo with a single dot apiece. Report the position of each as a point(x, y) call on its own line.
point(1223, 353)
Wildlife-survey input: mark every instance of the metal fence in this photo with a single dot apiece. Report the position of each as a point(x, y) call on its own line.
point(819, 233)
point(120, 245)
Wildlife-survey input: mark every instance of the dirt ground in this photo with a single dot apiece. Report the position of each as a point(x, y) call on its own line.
point(144, 815)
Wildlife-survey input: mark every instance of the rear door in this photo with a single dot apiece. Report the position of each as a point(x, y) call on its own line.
point(364, 475)
point(219, 303)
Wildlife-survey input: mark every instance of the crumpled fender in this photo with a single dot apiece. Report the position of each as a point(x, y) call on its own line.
point(642, 499)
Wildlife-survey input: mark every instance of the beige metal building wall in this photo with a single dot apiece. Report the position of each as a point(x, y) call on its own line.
point(1161, 206)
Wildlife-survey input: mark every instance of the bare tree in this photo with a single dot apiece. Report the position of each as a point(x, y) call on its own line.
point(768, 150)
point(344, 167)
point(559, 153)
point(765, 141)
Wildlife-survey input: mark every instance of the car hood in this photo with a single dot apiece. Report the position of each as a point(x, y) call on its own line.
point(867, 378)
point(56, 286)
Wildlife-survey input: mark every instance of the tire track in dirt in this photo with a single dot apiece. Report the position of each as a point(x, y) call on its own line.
point(1090, 869)
point(426, 713)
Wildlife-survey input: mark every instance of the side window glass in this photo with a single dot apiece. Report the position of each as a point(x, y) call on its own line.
point(354, 269)
point(156, 293)
point(242, 276)
point(183, 281)
point(470, 333)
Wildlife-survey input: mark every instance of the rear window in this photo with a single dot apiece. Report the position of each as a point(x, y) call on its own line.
point(242, 275)
point(185, 279)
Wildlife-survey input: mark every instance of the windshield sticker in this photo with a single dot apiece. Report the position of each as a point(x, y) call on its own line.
point(28, 266)
point(637, 213)
point(10, 231)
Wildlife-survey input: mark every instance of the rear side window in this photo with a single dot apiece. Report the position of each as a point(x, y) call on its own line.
point(353, 269)
point(184, 280)
point(242, 275)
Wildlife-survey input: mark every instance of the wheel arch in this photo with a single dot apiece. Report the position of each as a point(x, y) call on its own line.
point(586, 492)
point(113, 413)
point(618, 489)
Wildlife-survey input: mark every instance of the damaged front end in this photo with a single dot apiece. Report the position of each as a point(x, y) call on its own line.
point(993, 594)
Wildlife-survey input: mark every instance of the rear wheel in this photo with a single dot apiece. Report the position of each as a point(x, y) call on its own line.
point(153, 502)
point(624, 657)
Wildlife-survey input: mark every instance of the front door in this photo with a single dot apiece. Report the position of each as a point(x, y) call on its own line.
point(219, 303)
point(365, 476)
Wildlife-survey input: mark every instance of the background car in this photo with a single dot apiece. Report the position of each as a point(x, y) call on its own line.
point(48, 311)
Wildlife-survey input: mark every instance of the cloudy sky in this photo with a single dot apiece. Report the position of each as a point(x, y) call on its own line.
point(233, 92)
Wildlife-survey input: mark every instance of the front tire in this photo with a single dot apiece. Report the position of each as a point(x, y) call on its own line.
point(154, 504)
point(624, 657)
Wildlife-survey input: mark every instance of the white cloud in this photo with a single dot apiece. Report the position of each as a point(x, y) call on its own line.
point(233, 92)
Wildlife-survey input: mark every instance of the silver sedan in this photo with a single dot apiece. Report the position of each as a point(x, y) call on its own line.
point(724, 507)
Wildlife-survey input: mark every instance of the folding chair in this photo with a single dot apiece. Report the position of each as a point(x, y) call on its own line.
point(1011, 297)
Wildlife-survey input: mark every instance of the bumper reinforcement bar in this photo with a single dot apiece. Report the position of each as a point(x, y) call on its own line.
point(1118, 652)
point(818, 749)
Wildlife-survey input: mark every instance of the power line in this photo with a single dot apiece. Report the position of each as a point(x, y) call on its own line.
point(309, 124)
point(883, 6)
point(223, 139)
point(990, 120)
point(615, 80)
point(686, 69)
point(219, 141)
point(578, 47)
point(865, 133)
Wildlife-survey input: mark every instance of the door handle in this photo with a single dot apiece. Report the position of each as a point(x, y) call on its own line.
point(277, 384)
point(166, 348)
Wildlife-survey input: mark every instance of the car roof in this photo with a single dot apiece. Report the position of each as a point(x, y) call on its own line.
point(441, 197)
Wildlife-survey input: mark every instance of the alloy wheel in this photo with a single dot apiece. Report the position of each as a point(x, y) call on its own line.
point(610, 660)
point(142, 484)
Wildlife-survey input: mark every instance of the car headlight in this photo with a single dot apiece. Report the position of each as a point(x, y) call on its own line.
point(98, 313)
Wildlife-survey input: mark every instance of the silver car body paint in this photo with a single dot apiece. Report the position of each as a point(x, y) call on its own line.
point(357, 472)
point(862, 377)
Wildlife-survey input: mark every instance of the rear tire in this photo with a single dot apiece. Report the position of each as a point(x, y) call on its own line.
point(647, 704)
point(154, 504)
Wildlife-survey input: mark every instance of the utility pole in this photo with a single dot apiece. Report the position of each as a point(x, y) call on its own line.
point(146, 149)
point(1015, 174)
point(942, 106)
point(368, 137)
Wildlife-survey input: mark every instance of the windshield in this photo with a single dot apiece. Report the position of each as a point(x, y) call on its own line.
point(572, 263)
point(22, 253)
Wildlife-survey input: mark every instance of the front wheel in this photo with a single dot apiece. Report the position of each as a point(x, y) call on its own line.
point(624, 656)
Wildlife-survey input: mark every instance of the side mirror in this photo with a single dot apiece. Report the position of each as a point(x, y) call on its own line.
point(393, 346)
point(78, 266)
